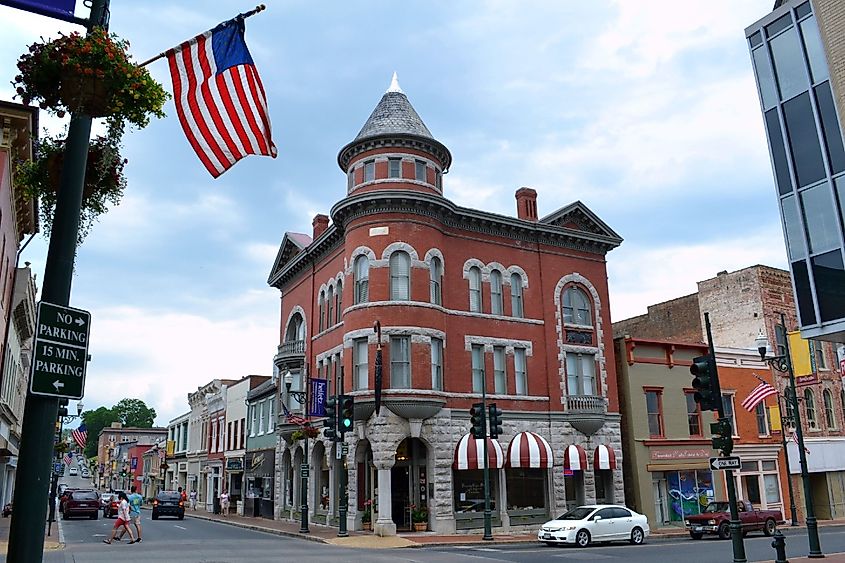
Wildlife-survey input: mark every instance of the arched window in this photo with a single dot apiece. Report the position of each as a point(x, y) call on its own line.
point(516, 296)
point(400, 276)
point(321, 311)
point(436, 273)
point(475, 289)
point(338, 302)
point(330, 308)
point(496, 305)
point(362, 279)
point(829, 419)
point(576, 307)
point(296, 329)
point(810, 406)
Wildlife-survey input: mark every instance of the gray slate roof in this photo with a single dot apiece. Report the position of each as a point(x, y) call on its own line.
point(394, 115)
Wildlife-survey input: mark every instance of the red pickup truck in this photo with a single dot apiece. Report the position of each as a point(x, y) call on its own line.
point(716, 517)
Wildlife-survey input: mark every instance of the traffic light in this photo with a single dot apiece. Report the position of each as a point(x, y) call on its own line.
point(722, 436)
point(330, 422)
point(346, 418)
point(476, 414)
point(63, 408)
point(494, 414)
point(705, 383)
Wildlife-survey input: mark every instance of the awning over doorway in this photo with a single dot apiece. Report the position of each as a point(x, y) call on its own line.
point(469, 454)
point(604, 457)
point(530, 450)
point(574, 458)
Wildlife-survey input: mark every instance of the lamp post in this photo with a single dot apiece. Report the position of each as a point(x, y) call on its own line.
point(783, 363)
point(301, 397)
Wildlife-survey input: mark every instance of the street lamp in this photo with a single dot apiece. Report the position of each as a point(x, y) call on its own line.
point(783, 363)
point(301, 397)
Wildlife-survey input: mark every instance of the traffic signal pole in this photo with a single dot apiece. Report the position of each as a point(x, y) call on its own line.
point(488, 524)
point(343, 481)
point(735, 524)
point(26, 535)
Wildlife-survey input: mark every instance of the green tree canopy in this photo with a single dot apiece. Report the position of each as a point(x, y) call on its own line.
point(130, 412)
point(95, 421)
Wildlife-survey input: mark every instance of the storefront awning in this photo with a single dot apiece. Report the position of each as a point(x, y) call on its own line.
point(469, 454)
point(574, 458)
point(530, 450)
point(604, 457)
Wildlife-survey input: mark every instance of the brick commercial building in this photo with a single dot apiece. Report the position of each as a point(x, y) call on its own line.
point(467, 300)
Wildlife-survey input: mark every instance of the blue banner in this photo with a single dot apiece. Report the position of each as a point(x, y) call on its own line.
point(59, 9)
point(319, 388)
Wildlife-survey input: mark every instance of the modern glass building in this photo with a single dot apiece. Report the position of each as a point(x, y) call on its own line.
point(798, 54)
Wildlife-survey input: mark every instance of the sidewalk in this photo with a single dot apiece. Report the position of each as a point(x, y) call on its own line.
point(51, 542)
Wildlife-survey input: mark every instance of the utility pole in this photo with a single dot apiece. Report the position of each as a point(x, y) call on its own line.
point(26, 535)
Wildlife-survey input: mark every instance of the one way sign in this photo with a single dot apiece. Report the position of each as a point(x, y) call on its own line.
point(720, 463)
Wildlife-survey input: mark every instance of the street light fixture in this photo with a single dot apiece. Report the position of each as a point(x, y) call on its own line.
point(301, 397)
point(783, 363)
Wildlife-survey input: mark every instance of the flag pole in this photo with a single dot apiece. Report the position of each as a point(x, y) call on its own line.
point(259, 8)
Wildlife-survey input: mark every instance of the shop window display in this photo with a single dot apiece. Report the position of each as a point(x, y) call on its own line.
point(689, 492)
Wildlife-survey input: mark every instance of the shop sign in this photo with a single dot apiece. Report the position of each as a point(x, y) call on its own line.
point(680, 454)
point(235, 464)
point(807, 379)
point(257, 460)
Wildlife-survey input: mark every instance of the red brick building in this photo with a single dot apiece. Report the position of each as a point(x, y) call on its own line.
point(467, 300)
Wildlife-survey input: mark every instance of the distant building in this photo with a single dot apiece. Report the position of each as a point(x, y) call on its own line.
point(799, 63)
point(260, 460)
point(236, 437)
point(110, 458)
point(176, 452)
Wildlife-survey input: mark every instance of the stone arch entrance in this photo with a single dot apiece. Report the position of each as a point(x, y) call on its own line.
point(409, 481)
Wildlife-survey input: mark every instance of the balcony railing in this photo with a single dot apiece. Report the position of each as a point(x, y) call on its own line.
point(293, 350)
point(586, 404)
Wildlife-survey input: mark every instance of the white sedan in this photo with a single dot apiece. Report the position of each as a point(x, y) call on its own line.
point(595, 523)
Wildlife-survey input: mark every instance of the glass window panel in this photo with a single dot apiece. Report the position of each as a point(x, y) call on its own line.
point(827, 398)
point(815, 49)
point(693, 415)
point(762, 420)
point(830, 128)
point(400, 276)
point(769, 465)
point(748, 466)
point(755, 39)
point(772, 489)
point(765, 78)
point(369, 171)
point(437, 364)
point(361, 364)
point(778, 25)
point(652, 401)
point(588, 372)
point(400, 366)
point(499, 380)
point(802, 10)
point(820, 218)
point(362, 277)
point(436, 275)
point(794, 233)
point(803, 294)
point(521, 371)
point(394, 166)
point(829, 276)
point(788, 58)
point(778, 152)
point(516, 296)
point(477, 368)
point(572, 374)
point(728, 405)
point(496, 302)
point(810, 408)
point(840, 196)
point(803, 140)
point(475, 290)
point(419, 170)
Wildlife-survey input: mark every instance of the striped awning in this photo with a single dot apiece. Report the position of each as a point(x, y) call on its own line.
point(574, 458)
point(469, 454)
point(530, 450)
point(604, 457)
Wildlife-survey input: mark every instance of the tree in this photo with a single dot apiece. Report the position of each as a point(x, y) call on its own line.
point(95, 421)
point(134, 412)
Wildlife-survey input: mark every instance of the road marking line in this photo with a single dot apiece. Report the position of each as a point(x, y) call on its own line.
point(180, 527)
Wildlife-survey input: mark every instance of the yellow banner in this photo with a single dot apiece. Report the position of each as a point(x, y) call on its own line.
point(774, 418)
point(171, 447)
point(799, 348)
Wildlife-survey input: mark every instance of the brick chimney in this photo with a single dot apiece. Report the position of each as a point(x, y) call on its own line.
point(526, 204)
point(320, 224)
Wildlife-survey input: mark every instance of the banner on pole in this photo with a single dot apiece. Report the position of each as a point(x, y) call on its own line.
point(59, 9)
point(319, 389)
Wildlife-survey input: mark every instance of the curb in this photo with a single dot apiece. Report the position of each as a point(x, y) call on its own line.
point(257, 528)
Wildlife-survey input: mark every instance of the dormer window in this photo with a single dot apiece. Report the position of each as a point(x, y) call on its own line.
point(419, 170)
point(576, 307)
point(394, 167)
point(369, 170)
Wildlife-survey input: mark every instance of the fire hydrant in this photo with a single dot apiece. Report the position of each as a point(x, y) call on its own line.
point(779, 543)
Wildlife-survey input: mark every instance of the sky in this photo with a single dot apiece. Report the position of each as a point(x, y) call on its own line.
point(645, 111)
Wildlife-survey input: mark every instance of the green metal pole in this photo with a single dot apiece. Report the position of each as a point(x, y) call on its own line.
point(812, 523)
point(488, 524)
point(26, 535)
point(343, 481)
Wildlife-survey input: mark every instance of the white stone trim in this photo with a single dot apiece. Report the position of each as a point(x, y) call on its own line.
point(517, 270)
point(431, 254)
point(418, 335)
point(295, 310)
point(337, 350)
point(403, 246)
point(441, 309)
point(366, 251)
point(489, 342)
point(473, 262)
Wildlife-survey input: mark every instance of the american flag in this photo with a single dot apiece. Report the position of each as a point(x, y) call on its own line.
point(758, 394)
point(68, 458)
point(219, 97)
point(80, 435)
point(294, 418)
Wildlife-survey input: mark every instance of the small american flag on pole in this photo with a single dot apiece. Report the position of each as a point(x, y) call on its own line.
point(757, 395)
point(80, 435)
point(219, 97)
point(294, 418)
point(68, 458)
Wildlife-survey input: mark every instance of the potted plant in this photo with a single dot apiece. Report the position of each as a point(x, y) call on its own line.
point(419, 517)
point(304, 432)
point(367, 515)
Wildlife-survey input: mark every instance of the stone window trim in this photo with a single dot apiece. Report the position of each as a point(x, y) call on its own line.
point(333, 282)
point(442, 309)
point(297, 309)
point(486, 269)
point(366, 251)
point(329, 354)
point(327, 330)
point(489, 342)
point(598, 330)
point(430, 255)
point(418, 335)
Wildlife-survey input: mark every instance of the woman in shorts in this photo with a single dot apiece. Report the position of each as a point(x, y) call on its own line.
point(122, 519)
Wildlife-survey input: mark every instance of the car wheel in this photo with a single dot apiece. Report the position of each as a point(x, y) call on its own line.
point(770, 527)
point(95, 516)
point(637, 536)
point(582, 538)
point(696, 535)
point(724, 531)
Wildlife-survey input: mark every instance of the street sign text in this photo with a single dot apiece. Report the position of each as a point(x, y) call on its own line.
point(720, 463)
point(61, 351)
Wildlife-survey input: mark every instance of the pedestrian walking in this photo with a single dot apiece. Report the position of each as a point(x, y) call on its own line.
point(224, 503)
point(135, 502)
point(122, 519)
point(193, 497)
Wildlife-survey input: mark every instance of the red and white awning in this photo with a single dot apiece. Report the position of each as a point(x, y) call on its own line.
point(469, 454)
point(604, 457)
point(574, 458)
point(530, 450)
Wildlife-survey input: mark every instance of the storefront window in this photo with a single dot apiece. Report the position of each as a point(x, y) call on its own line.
point(689, 492)
point(469, 491)
point(574, 486)
point(526, 488)
point(772, 488)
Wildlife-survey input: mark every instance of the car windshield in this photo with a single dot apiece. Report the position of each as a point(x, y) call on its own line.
point(576, 514)
point(85, 495)
point(717, 507)
point(169, 496)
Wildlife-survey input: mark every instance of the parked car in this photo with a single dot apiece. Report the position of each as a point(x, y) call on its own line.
point(716, 517)
point(595, 523)
point(105, 498)
point(84, 473)
point(168, 503)
point(110, 508)
point(81, 503)
point(63, 498)
point(73, 472)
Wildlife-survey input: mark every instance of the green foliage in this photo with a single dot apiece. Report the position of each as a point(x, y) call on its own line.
point(130, 412)
point(95, 421)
